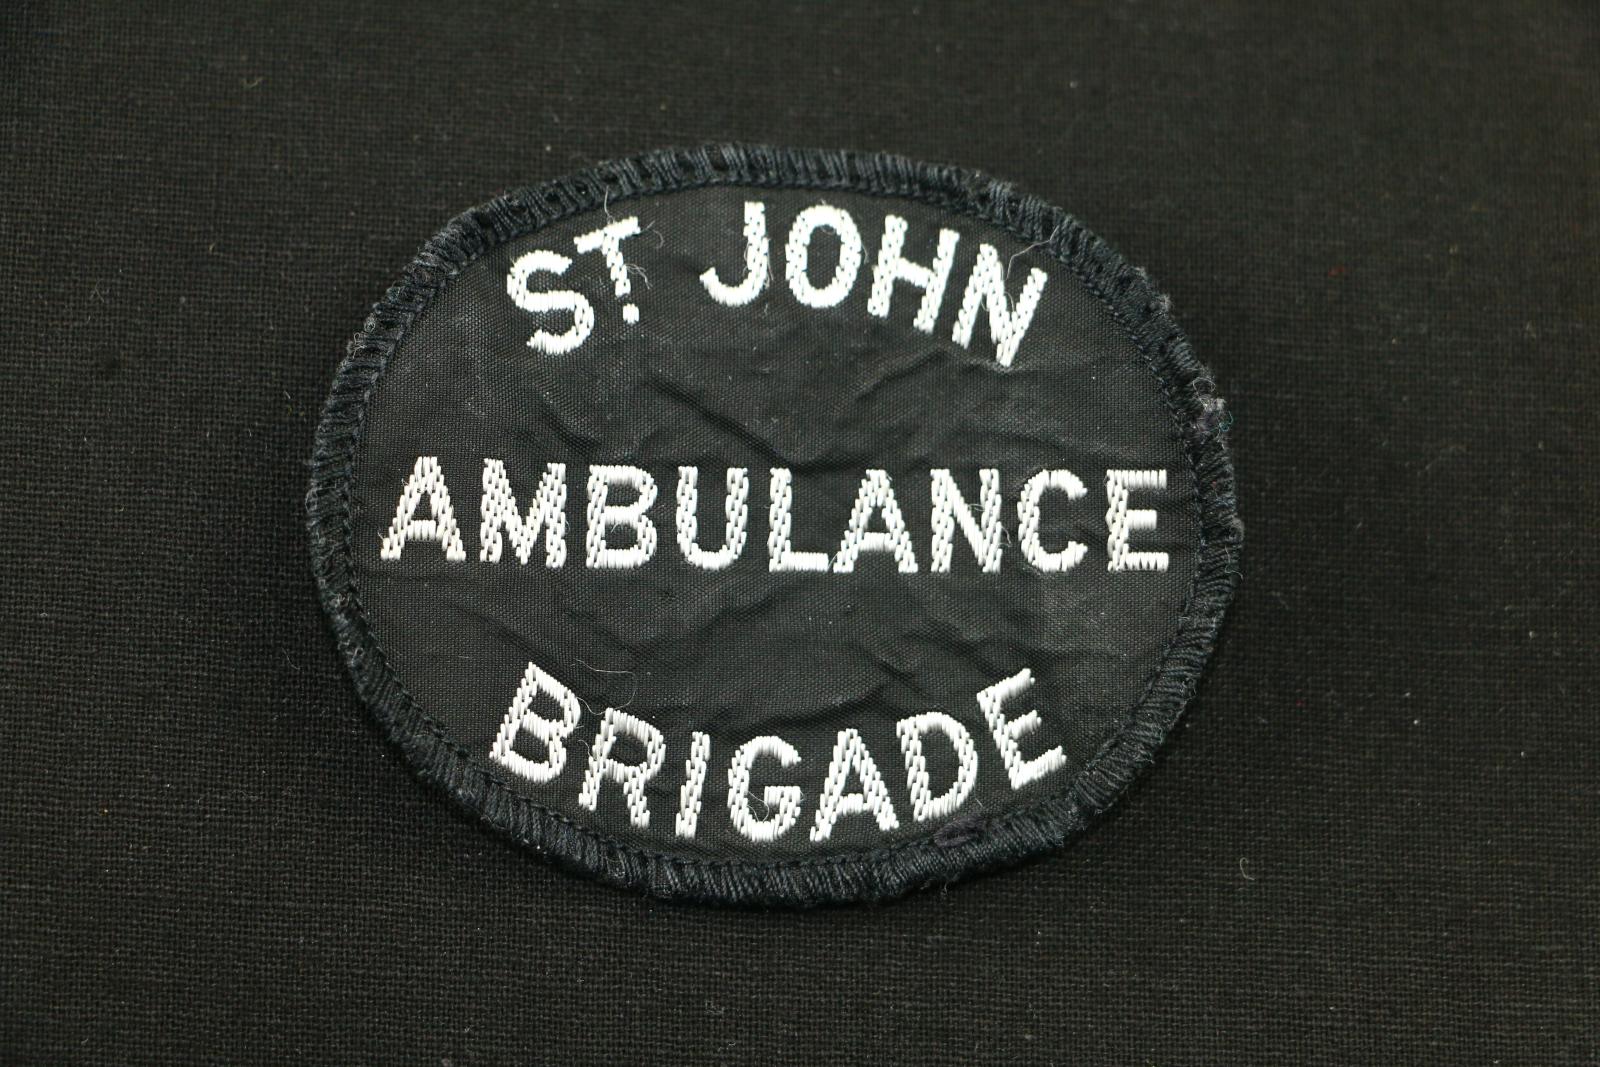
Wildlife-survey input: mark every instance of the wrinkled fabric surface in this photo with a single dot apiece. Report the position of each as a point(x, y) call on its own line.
point(1374, 837)
point(826, 394)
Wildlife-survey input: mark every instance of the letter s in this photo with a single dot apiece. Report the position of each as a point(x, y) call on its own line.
point(552, 300)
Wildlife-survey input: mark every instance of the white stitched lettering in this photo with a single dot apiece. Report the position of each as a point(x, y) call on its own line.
point(876, 494)
point(553, 300)
point(893, 267)
point(736, 506)
point(553, 733)
point(757, 262)
point(498, 510)
point(427, 479)
point(607, 240)
point(781, 555)
point(602, 516)
point(797, 255)
point(694, 784)
point(631, 776)
point(875, 503)
point(1120, 520)
point(1029, 518)
point(987, 287)
point(782, 801)
point(924, 805)
point(950, 508)
point(850, 754)
point(1021, 771)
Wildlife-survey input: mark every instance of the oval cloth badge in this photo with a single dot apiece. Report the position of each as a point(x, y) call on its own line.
point(770, 526)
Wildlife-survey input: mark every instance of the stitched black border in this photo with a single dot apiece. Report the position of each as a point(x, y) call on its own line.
point(959, 848)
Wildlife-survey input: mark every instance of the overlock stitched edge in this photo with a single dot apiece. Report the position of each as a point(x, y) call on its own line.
point(962, 847)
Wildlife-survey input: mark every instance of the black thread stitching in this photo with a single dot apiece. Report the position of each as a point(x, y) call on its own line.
point(958, 848)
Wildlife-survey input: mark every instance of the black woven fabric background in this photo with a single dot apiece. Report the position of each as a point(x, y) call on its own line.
point(1374, 840)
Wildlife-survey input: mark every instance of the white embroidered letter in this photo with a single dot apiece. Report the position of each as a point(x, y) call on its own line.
point(552, 733)
point(427, 479)
point(608, 242)
point(782, 801)
point(694, 784)
point(631, 776)
point(850, 754)
point(987, 286)
point(876, 494)
point(797, 255)
point(893, 267)
point(1021, 771)
point(736, 505)
point(602, 516)
point(499, 509)
point(924, 805)
point(554, 300)
point(781, 555)
point(757, 262)
point(1028, 519)
point(1120, 520)
point(950, 509)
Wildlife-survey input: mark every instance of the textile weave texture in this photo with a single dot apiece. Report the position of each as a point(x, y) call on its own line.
point(1375, 834)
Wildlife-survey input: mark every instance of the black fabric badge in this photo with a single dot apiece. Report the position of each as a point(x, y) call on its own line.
point(773, 526)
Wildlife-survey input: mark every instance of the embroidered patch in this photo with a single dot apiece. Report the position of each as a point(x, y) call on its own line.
point(770, 526)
